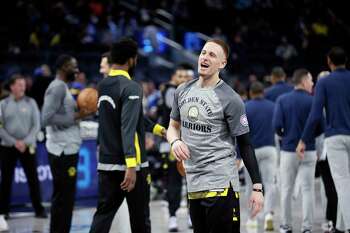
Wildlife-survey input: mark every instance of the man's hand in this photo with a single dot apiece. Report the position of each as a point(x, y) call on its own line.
point(129, 181)
point(301, 150)
point(180, 150)
point(20, 146)
point(256, 202)
point(83, 113)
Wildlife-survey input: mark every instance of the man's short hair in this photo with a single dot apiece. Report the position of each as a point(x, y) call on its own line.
point(278, 72)
point(122, 51)
point(107, 55)
point(299, 75)
point(223, 45)
point(62, 60)
point(337, 55)
point(257, 88)
point(12, 80)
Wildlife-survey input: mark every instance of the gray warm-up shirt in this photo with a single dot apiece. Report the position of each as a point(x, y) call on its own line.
point(62, 130)
point(211, 118)
point(19, 120)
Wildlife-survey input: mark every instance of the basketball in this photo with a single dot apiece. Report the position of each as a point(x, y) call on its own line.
point(180, 168)
point(87, 99)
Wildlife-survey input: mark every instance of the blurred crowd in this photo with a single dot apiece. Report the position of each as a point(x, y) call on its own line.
point(261, 33)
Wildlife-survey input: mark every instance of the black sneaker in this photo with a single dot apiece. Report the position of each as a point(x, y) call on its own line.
point(41, 214)
point(307, 231)
point(7, 216)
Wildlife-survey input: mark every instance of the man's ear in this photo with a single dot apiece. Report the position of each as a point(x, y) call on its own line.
point(223, 64)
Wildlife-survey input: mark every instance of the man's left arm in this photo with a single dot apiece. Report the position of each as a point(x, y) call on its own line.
point(315, 115)
point(238, 125)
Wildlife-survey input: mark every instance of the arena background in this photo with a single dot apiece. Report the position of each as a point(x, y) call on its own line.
point(262, 34)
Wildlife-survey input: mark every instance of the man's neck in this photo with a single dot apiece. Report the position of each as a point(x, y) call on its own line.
point(279, 81)
point(299, 88)
point(333, 68)
point(208, 82)
point(257, 96)
point(16, 98)
point(120, 67)
point(61, 77)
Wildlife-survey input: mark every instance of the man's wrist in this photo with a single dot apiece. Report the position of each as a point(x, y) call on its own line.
point(258, 186)
point(175, 140)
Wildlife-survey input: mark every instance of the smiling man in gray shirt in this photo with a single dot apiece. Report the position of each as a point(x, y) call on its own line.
point(60, 117)
point(207, 122)
point(19, 125)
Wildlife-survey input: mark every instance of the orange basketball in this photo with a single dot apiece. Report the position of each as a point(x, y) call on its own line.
point(87, 99)
point(180, 168)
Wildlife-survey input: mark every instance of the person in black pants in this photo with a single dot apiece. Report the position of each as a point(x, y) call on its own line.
point(123, 166)
point(60, 117)
point(182, 73)
point(331, 193)
point(19, 124)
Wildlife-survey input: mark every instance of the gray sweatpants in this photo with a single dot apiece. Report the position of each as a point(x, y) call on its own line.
point(338, 154)
point(266, 157)
point(290, 165)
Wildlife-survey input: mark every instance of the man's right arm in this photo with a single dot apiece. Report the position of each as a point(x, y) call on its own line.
point(4, 135)
point(179, 148)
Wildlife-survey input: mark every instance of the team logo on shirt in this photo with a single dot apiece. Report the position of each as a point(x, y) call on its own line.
point(193, 113)
point(243, 120)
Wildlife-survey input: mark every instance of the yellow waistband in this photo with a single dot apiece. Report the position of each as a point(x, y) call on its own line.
point(207, 194)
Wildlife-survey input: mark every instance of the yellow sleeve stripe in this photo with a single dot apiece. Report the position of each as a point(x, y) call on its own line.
point(130, 162)
point(157, 130)
point(137, 149)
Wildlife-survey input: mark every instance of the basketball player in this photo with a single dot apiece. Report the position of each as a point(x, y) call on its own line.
point(60, 117)
point(150, 126)
point(260, 110)
point(123, 166)
point(289, 118)
point(207, 119)
point(332, 94)
point(181, 74)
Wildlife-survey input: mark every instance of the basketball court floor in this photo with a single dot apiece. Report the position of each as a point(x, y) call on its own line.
point(24, 222)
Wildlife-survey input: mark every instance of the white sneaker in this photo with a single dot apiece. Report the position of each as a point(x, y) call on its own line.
point(3, 224)
point(285, 229)
point(252, 223)
point(190, 223)
point(268, 223)
point(173, 224)
point(328, 227)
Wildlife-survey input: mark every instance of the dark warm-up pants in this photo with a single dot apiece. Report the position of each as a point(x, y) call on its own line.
point(216, 214)
point(111, 197)
point(331, 193)
point(174, 187)
point(64, 174)
point(9, 157)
